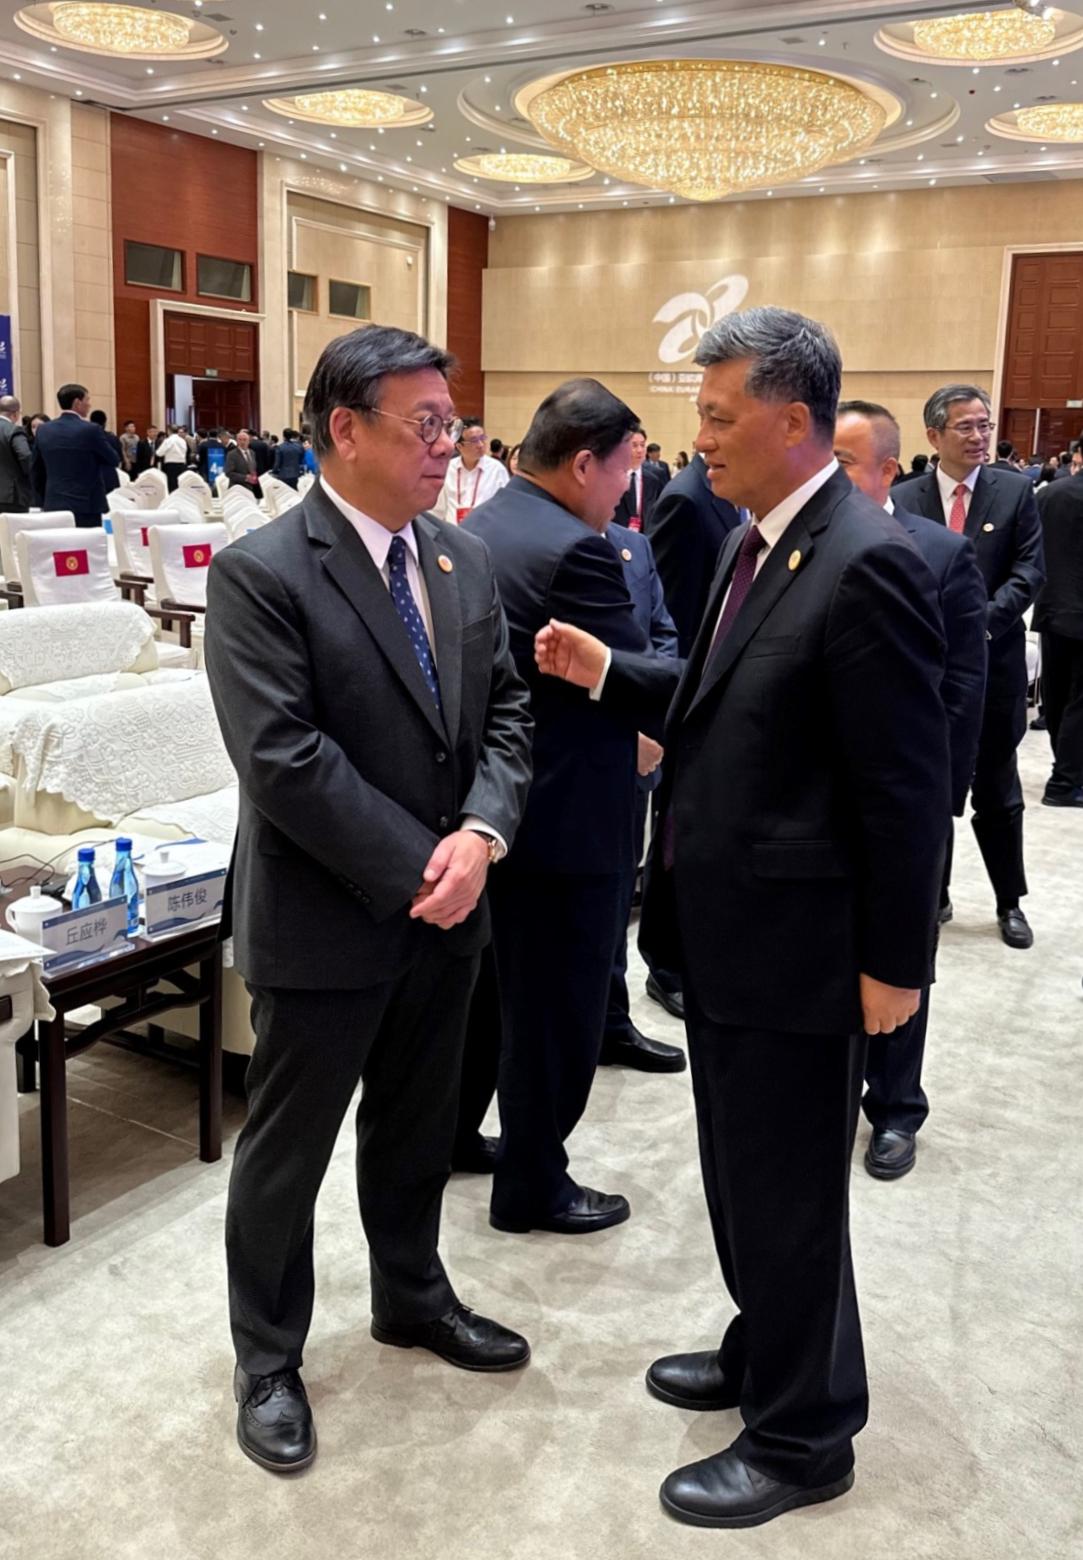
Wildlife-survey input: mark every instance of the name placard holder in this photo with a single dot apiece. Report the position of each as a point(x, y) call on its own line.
point(187, 902)
point(79, 937)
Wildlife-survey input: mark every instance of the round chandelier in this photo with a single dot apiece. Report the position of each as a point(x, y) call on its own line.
point(353, 106)
point(523, 168)
point(704, 129)
point(1051, 122)
point(984, 36)
point(121, 30)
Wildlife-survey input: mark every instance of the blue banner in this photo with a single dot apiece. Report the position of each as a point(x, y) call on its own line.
point(7, 386)
point(216, 464)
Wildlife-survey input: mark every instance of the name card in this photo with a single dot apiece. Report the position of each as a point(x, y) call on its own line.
point(186, 902)
point(79, 937)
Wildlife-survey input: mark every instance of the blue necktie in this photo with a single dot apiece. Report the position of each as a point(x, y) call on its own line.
point(406, 606)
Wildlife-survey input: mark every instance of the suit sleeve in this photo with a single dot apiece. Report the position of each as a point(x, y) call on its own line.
point(297, 777)
point(964, 603)
point(664, 638)
point(502, 777)
point(37, 474)
point(20, 448)
point(106, 459)
point(884, 649)
point(1027, 575)
point(678, 555)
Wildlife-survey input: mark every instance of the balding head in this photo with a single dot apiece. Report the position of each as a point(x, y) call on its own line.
point(867, 444)
point(10, 406)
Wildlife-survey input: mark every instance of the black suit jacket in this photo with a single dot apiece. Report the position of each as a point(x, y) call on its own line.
point(289, 460)
point(349, 775)
point(807, 777)
point(580, 814)
point(963, 600)
point(238, 470)
point(15, 463)
point(73, 467)
point(262, 452)
point(1003, 526)
point(687, 529)
point(653, 483)
point(1059, 608)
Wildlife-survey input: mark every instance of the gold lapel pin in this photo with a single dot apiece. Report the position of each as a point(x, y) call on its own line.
point(795, 560)
point(626, 554)
point(988, 526)
point(445, 563)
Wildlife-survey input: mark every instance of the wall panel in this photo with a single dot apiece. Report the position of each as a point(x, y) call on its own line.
point(468, 255)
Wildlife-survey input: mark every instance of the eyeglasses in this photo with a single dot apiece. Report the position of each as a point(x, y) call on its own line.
point(429, 428)
point(965, 429)
point(470, 438)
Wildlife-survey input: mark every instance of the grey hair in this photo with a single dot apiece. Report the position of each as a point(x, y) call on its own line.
point(793, 359)
point(352, 368)
point(940, 402)
point(10, 406)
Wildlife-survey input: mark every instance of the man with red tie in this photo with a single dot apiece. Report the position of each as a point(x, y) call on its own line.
point(644, 486)
point(997, 511)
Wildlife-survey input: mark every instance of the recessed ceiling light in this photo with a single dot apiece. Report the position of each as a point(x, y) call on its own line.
point(214, 132)
point(976, 71)
point(909, 122)
point(52, 50)
point(389, 6)
point(440, 30)
point(821, 42)
point(259, 26)
point(244, 108)
point(376, 37)
point(315, 48)
point(78, 92)
point(488, 79)
point(959, 139)
point(165, 119)
point(921, 157)
point(371, 147)
point(322, 16)
point(932, 181)
point(511, 23)
point(304, 156)
point(422, 88)
point(259, 143)
point(333, 134)
point(257, 56)
point(934, 94)
point(1000, 89)
point(420, 143)
point(150, 70)
point(379, 178)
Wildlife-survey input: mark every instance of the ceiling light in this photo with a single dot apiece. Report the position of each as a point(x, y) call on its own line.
point(352, 106)
point(376, 37)
point(524, 168)
point(983, 36)
point(257, 56)
point(94, 27)
point(1061, 122)
point(705, 128)
point(259, 26)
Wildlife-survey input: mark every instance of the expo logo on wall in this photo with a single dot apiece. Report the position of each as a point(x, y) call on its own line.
point(690, 314)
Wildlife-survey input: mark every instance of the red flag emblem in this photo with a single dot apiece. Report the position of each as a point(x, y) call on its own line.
point(197, 557)
point(144, 533)
point(67, 563)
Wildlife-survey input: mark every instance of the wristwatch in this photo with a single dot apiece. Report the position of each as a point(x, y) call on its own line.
point(493, 848)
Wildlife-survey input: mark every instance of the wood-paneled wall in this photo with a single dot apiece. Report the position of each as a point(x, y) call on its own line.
point(185, 192)
point(468, 255)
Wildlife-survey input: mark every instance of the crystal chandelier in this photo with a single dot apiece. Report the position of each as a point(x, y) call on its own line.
point(704, 129)
point(523, 168)
point(352, 106)
point(120, 29)
point(984, 36)
point(1052, 122)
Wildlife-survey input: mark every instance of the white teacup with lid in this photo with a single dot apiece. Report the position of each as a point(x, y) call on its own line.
point(26, 915)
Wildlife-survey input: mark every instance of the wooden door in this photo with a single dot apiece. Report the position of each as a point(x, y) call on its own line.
point(1043, 363)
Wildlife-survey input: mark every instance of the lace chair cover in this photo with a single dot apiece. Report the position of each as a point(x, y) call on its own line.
point(61, 568)
point(55, 643)
point(180, 557)
point(11, 525)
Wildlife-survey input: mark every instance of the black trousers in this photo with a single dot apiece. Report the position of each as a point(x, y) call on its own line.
point(776, 1115)
point(553, 935)
point(403, 1040)
point(996, 797)
point(173, 470)
point(894, 1097)
point(1062, 700)
point(481, 1054)
point(618, 1018)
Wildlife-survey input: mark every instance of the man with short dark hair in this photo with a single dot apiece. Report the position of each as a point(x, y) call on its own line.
point(145, 450)
point(1058, 615)
point(129, 445)
point(556, 901)
point(472, 478)
point(15, 458)
point(644, 486)
point(73, 465)
point(654, 461)
point(359, 662)
point(289, 458)
point(1006, 457)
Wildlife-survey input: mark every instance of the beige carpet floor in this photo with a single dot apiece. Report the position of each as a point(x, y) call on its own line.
point(118, 1424)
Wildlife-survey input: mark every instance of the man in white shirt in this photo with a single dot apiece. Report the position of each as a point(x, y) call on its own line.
point(472, 476)
point(173, 456)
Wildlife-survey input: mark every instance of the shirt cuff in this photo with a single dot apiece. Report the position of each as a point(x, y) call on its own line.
point(479, 826)
point(596, 691)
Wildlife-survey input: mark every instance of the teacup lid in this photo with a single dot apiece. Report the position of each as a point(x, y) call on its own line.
point(37, 903)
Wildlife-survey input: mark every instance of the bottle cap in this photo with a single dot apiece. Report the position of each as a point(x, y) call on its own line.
point(123, 844)
point(86, 853)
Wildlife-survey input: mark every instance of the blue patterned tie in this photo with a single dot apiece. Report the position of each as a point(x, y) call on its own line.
point(406, 606)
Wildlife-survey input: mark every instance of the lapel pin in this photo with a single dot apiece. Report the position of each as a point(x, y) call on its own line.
point(988, 526)
point(795, 560)
point(626, 554)
point(445, 563)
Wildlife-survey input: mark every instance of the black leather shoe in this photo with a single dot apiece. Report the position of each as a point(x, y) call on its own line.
point(462, 1338)
point(637, 1051)
point(274, 1421)
point(1015, 929)
point(476, 1158)
point(692, 1381)
point(672, 1001)
point(945, 914)
point(1063, 798)
point(588, 1211)
point(1039, 723)
point(890, 1154)
point(724, 1492)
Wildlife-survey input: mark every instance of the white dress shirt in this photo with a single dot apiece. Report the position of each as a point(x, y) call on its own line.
point(465, 490)
point(377, 541)
point(172, 448)
point(947, 486)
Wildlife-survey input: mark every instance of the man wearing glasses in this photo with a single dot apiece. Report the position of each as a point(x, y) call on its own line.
point(472, 476)
point(359, 661)
point(997, 511)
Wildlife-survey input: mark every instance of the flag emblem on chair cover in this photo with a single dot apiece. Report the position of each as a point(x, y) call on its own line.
point(71, 563)
point(144, 533)
point(197, 557)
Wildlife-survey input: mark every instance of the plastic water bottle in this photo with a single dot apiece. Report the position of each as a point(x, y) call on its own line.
point(87, 891)
point(124, 882)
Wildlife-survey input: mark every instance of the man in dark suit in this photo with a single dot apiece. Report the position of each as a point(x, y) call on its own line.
point(688, 526)
point(644, 485)
point(1006, 457)
point(358, 658)
point(260, 446)
point(241, 463)
point(867, 447)
point(73, 466)
point(289, 458)
point(212, 444)
point(655, 462)
point(1059, 617)
point(997, 512)
point(100, 420)
point(805, 803)
point(15, 458)
point(144, 452)
point(556, 899)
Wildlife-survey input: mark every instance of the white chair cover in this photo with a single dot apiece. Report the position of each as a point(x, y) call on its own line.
point(275, 492)
point(123, 477)
point(187, 506)
point(58, 568)
point(304, 482)
point(151, 489)
point(180, 557)
point(221, 484)
point(131, 532)
point(240, 521)
point(236, 496)
point(191, 482)
point(36, 520)
point(56, 643)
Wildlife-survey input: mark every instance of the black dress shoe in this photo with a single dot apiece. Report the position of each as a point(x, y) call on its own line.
point(692, 1381)
point(890, 1154)
point(1039, 723)
point(672, 1001)
point(462, 1338)
point(631, 1049)
point(1073, 798)
point(476, 1158)
point(945, 914)
point(274, 1421)
point(588, 1211)
point(724, 1492)
point(1015, 928)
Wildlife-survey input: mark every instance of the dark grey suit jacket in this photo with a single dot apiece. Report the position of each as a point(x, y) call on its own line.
point(15, 461)
point(348, 773)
